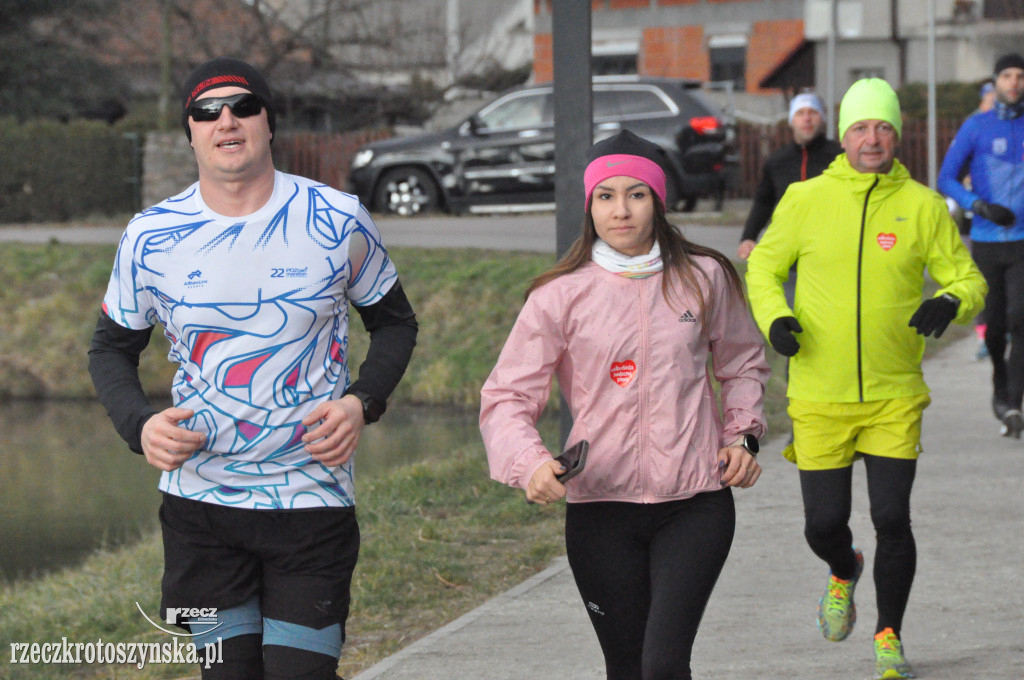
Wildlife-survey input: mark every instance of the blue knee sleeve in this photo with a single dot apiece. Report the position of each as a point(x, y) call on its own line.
point(245, 619)
point(323, 641)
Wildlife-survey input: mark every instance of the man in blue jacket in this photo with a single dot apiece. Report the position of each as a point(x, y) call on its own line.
point(990, 146)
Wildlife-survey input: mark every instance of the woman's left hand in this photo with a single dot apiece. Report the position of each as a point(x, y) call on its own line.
point(739, 467)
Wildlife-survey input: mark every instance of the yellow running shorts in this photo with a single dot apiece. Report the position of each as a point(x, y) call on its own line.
point(830, 435)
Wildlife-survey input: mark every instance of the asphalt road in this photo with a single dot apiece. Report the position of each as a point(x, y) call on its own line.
point(532, 232)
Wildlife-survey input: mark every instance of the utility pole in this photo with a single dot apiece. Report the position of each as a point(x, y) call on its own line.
point(830, 78)
point(574, 127)
point(452, 43)
point(932, 162)
point(165, 65)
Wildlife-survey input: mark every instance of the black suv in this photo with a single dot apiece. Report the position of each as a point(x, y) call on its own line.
point(502, 157)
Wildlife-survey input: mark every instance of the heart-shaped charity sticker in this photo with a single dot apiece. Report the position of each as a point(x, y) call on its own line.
point(623, 372)
point(887, 241)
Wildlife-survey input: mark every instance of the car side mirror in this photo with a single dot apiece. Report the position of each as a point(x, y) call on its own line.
point(474, 125)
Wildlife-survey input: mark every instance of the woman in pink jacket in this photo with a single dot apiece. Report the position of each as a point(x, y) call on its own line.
point(626, 321)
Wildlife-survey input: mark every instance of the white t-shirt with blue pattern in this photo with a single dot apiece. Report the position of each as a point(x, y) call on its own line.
point(256, 311)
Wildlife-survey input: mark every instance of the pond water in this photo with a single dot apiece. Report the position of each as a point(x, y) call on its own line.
point(69, 485)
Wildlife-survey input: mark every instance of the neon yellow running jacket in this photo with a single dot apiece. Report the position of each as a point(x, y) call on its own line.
point(862, 242)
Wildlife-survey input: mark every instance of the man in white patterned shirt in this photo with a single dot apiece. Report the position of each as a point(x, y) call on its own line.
point(250, 271)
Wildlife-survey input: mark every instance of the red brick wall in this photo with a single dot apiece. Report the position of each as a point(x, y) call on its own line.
point(680, 51)
point(543, 58)
point(674, 52)
point(770, 42)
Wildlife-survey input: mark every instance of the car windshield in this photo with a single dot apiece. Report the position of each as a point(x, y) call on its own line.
point(628, 102)
point(517, 111)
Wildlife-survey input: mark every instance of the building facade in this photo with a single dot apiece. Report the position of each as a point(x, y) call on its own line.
point(890, 39)
point(739, 41)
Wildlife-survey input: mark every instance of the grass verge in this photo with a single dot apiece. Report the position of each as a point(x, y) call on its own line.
point(439, 538)
point(466, 302)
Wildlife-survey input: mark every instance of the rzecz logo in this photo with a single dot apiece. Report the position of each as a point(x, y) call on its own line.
point(180, 616)
point(176, 615)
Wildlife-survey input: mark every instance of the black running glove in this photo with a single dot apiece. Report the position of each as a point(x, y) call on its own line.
point(935, 314)
point(993, 212)
point(780, 335)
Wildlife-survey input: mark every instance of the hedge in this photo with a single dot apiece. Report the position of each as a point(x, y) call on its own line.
point(53, 171)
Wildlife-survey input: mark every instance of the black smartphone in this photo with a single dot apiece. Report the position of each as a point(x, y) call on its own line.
point(573, 459)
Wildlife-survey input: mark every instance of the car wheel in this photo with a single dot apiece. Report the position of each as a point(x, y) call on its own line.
point(406, 191)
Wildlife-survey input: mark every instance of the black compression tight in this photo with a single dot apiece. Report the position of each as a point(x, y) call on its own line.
point(646, 572)
point(1003, 267)
point(827, 502)
point(247, 658)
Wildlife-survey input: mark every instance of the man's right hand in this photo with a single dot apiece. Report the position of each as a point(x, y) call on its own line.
point(167, 446)
point(746, 245)
point(780, 335)
point(993, 212)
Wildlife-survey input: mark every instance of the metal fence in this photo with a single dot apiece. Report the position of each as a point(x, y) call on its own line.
point(755, 142)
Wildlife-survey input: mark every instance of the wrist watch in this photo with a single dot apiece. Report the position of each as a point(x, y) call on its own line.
point(749, 442)
point(373, 408)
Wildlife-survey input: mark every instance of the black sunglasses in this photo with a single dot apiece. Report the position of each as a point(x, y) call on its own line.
point(242, 106)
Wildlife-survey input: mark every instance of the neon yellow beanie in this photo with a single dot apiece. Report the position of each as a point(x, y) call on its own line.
point(870, 99)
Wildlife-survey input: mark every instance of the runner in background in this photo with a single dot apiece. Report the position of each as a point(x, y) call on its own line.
point(988, 147)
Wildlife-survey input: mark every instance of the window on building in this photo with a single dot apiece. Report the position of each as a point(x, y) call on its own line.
point(613, 64)
point(866, 72)
point(728, 55)
point(614, 53)
point(1001, 9)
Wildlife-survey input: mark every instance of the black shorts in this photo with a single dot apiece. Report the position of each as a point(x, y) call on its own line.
point(299, 563)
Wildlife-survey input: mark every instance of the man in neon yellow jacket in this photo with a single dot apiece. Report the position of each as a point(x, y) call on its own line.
point(862, 235)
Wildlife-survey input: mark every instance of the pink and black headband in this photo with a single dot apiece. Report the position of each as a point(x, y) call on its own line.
point(627, 155)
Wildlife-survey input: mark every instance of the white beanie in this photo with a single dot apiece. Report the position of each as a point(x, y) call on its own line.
point(807, 100)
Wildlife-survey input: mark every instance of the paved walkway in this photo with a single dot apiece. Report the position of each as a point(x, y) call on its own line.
point(531, 232)
point(966, 613)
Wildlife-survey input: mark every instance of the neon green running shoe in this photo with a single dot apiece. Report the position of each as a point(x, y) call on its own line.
point(890, 664)
point(836, 611)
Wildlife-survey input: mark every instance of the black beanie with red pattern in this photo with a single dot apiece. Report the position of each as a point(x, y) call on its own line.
point(225, 72)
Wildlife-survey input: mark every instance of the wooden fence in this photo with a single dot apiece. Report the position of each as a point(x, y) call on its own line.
point(327, 157)
point(321, 156)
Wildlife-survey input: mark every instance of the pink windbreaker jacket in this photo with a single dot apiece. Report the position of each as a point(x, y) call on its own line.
point(635, 374)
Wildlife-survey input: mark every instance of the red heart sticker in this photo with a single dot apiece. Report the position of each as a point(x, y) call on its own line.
point(887, 241)
point(623, 372)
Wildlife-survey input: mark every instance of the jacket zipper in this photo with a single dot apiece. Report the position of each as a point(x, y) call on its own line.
point(860, 265)
point(642, 385)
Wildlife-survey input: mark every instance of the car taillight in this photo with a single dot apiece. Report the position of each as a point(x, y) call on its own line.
point(703, 125)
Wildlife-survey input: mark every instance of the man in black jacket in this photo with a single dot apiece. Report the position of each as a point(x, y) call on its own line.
point(808, 156)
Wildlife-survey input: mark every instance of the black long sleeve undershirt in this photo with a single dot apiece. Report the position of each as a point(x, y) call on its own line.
point(392, 326)
point(114, 366)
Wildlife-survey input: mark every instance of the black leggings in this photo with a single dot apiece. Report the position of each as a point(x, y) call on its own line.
point(827, 500)
point(1003, 267)
point(646, 573)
